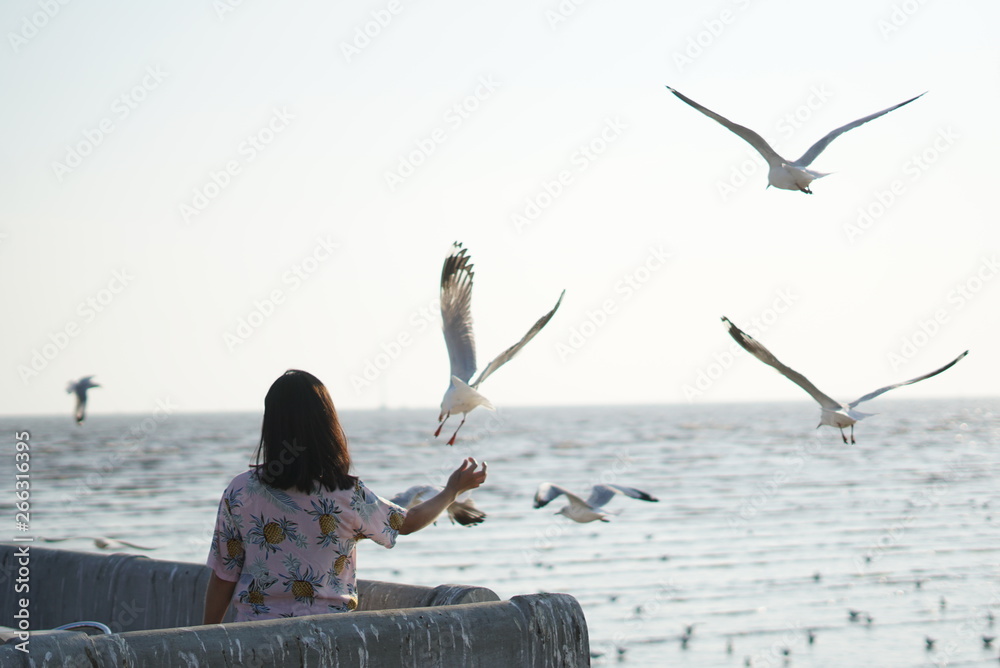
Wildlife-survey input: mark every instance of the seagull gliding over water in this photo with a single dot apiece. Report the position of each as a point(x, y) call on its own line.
point(834, 413)
point(592, 509)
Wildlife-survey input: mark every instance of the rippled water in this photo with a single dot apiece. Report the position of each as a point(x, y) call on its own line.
point(766, 529)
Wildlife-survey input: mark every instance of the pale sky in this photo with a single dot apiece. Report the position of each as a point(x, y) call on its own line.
point(171, 171)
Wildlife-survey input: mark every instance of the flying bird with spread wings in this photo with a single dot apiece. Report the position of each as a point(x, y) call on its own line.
point(782, 173)
point(592, 509)
point(834, 413)
point(80, 387)
point(462, 395)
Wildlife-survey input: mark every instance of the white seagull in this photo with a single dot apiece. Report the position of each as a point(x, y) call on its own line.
point(463, 510)
point(582, 511)
point(456, 299)
point(785, 174)
point(834, 413)
point(80, 387)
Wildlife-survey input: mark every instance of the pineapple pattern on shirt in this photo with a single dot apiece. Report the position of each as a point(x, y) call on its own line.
point(293, 553)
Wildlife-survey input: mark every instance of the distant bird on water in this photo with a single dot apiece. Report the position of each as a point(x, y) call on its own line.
point(80, 387)
point(456, 301)
point(463, 511)
point(782, 173)
point(834, 413)
point(592, 509)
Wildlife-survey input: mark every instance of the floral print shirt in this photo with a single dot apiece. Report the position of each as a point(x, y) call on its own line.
point(293, 553)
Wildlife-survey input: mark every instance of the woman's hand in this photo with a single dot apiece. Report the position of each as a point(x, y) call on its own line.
point(466, 477)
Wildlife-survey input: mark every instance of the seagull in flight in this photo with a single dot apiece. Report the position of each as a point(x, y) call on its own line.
point(456, 299)
point(592, 509)
point(80, 387)
point(834, 413)
point(782, 173)
point(463, 510)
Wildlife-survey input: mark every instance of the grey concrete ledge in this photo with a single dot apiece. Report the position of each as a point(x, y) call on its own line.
point(154, 606)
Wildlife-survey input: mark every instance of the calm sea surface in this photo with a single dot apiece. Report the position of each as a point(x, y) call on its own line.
point(766, 529)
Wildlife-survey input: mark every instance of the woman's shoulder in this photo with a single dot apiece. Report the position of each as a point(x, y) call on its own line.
point(242, 479)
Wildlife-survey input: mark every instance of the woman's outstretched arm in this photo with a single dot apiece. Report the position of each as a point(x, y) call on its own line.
point(462, 479)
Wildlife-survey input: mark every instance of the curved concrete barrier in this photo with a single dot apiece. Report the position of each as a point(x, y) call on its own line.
point(153, 607)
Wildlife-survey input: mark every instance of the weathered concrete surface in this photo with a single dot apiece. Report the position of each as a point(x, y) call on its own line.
point(375, 595)
point(133, 593)
point(448, 625)
point(126, 592)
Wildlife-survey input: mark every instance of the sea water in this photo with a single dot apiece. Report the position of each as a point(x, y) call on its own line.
point(767, 532)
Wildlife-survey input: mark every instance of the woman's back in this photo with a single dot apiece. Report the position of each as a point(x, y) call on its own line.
point(294, 552)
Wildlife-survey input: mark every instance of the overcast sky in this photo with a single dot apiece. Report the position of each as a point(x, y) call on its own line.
point(198, 195)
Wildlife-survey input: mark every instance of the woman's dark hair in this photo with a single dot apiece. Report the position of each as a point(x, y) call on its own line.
point(301, 440)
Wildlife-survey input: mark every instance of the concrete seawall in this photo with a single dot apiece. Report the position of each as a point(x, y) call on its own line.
point(154, 608)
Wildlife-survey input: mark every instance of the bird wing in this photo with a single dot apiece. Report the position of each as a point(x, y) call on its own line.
point(747, 134)
point(465, 513)
point(872, 395)
point(456, 314)
point(818, 147)
point(506, 355)
point(764, 355)
point(414, 495)
point(548, 491)
point(137, 547)
point(601, 494)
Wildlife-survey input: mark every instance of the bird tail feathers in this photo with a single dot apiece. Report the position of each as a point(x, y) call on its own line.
point(470, 395)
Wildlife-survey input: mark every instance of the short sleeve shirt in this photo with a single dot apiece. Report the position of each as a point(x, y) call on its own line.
point(293, 553)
